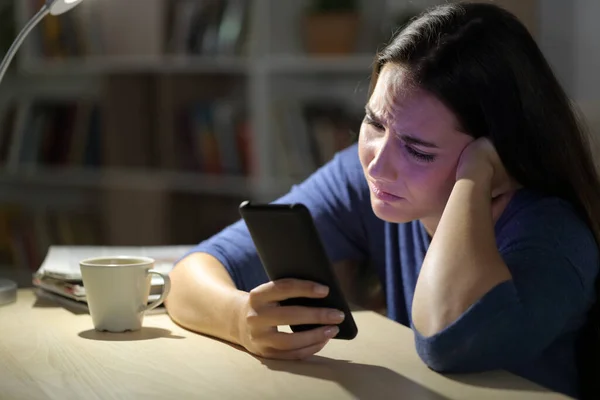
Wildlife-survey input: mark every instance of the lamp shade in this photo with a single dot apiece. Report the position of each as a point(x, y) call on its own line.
point(58, 7)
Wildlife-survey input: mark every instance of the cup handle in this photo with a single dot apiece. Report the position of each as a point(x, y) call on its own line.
point(165, 291)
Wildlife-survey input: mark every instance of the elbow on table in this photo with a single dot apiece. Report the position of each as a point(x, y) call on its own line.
point(437, 354)
point(439, 361)
point(451, 356)
point(470, 356)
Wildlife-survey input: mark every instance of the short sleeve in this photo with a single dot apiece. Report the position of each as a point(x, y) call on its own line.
point(553, 259)
point(337, 197)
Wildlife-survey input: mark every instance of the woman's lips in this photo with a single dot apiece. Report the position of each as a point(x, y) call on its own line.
point(383, 195)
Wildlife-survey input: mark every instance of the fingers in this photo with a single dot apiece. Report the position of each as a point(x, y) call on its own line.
point(284, 289)
point(297, 354)
point(297, 315)
point(263, 314)
point(294, 341)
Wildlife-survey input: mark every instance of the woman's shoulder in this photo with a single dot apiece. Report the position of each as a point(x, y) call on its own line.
point(349, 160)
point(550, 224)
point(529, 209)
point(346, 167)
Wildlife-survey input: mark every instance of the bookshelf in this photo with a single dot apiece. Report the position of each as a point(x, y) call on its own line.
point(132, 103)
point(94, 65)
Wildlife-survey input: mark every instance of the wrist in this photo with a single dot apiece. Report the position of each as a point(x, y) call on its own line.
point(479, 184)
point(238, 320)
point(482, 175)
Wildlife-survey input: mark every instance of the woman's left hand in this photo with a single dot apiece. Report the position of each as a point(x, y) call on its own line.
point(480, 163)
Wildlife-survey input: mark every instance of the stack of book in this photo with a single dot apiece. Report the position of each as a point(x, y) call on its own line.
point(59, 277)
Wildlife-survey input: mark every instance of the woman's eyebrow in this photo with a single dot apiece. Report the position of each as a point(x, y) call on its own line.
point(418, 142)
point(371, 114)
point(407, 138)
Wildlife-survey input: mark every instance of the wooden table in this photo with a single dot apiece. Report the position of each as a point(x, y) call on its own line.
point(49, 352)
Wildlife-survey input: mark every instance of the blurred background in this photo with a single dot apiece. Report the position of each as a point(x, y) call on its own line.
point(147, 122)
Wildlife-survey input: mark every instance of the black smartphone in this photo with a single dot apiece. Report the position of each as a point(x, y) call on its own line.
point(289, 246)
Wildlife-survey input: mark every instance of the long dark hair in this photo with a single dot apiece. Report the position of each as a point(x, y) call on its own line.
point(483, 64)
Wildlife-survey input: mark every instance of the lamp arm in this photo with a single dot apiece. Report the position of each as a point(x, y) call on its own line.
point(45, 10)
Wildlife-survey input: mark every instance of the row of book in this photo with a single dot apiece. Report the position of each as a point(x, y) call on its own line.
point(52, 133)
point(26, 236)
point(144, 27)
point(66, 35)
point(7, 26)
point(208, 137)
point(208, 27)
point(213, 140)
point(309, 133)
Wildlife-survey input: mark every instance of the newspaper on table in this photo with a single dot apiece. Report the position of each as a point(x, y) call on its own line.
point(60, 272)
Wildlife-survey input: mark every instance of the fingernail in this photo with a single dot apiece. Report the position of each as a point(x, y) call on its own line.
point(331, 332)
point(319, 289)
point(336, 315)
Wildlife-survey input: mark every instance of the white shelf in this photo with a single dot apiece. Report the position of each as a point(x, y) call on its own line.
point(307, 64)
point(40, 198)
point(123, 64)
point(267, 61)
point(131, 179)
point(280, 64)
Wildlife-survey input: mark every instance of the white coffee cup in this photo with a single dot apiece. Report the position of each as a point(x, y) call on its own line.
point(117, 290)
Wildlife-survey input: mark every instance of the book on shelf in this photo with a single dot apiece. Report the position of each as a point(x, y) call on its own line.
point(211, 137)
point(59, 36)
point(59, 275)
point(308, 133)
point(56, 133)
point(208, 27)
point(25, 235)
point(178, 27)
point(7, 26)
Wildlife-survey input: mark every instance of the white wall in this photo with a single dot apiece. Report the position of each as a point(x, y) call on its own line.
point(556, 39)
point(570, 39)
point(587, 50)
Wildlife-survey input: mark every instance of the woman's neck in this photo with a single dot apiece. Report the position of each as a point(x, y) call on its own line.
point(430, 224)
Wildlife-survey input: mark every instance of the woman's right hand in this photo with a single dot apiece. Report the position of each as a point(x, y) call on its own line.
point(261, 314)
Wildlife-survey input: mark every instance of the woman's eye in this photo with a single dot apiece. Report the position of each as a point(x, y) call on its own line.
point(420, 156)
point(374, 124)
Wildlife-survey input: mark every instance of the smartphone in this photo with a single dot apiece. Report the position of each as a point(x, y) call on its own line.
point(289, 246)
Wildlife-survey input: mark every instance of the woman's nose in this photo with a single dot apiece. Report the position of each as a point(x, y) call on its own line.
point(383, 165)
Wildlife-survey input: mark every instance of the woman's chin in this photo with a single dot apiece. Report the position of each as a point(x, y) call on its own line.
point(388, 213)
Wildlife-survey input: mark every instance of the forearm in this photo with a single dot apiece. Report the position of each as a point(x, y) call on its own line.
point(462, 263)
point(204, 299)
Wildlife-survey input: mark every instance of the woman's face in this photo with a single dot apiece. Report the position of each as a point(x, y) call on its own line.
point(409, 148)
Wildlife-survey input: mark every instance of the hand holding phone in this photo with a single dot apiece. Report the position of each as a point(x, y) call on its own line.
point(261, 315)
point(289, 247)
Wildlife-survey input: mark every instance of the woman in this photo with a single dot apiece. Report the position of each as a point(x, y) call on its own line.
point(472, 194)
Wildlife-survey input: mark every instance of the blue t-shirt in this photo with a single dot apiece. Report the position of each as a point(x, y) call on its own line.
point(527, 325)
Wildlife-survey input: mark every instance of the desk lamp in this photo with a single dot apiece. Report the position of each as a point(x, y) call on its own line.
point(8, 289)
